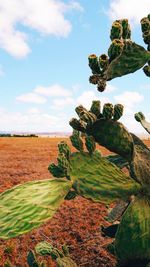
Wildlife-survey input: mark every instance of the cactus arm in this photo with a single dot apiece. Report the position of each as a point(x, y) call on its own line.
point(133, 235)
point(141, 118)
point(27, 206)
point(97, 179)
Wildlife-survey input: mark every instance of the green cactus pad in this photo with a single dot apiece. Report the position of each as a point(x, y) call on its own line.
point(98, 179)
point(133, 236)
point(27, 206)
point(132, 58)
point(114, 136)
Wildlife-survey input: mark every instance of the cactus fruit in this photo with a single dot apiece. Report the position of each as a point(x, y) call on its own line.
point(93, 64)
point(63, 164)
point(141, 118)
point(85, 115)
point(56, 171)
point(95, 108)
point(126, 31)
point(103, 61)
point(115, 49)
point(65, 149)
point(116, 31)
point(108, 111)
point(118, 112)
point(27, 206)
point(90, 144)
point(78, 125)
point(76, 141)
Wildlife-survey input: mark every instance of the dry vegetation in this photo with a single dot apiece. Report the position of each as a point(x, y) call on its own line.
point(76, 223)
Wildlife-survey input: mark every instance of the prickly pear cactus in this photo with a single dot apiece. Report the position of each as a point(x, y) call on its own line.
point(124, 56)
point(108, 132)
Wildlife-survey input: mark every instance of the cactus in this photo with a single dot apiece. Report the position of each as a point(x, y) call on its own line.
point(62, 257)
point(108, 111)
point(91, 175)
point(90, 144)
point(76, 141)
point(93, 64)
point(125, 56)
point(141, 118)
point(118, 111)
point(27, 206)
point(95, 108)
point(64, 149)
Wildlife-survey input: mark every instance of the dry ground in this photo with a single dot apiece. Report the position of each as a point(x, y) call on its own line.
point(76, 223)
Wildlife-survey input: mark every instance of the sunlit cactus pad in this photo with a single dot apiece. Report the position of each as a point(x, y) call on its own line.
point(133, 236)
point(98, 179)
point(27, 206)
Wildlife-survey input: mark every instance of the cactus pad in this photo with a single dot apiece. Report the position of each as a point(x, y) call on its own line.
point(97, 179)
point(27, 206)
point(133, 236)
point(132, 58)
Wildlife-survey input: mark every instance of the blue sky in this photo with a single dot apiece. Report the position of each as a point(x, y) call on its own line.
point(44, 48)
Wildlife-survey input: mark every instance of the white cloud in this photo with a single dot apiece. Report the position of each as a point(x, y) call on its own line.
point(31, 98)
point(45, 16)
point(33, 111)
point(134, 10)
point(55, 90)
point(110, 88)
point(41, 122)
point(59, 104)
point(129, 99)
point(87, 97)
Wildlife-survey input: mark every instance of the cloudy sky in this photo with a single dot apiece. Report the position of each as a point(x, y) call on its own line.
point(44, 48)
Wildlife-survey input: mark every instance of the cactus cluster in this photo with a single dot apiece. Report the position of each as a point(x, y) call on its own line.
point(124, 56)
point(88, 173)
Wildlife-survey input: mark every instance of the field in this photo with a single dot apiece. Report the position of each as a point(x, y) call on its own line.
point(77, 222)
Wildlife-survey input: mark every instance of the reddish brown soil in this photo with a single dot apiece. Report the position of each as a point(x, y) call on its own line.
point(76, 223)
